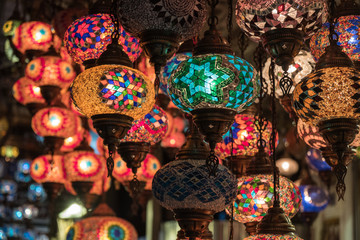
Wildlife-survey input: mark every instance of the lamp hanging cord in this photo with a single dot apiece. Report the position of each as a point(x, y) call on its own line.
point(333, 36)
point(230, 20)
point(115, 19)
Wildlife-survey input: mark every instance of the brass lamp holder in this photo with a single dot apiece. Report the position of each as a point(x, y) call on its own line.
point(238, 164)
point(53, 189)
point(339, 133)
point(251, 227)
point(53, 143)
point(111, 128)
point(260, 164)
point(194, 222)
point(283, 45)
point(160, 46)
point(50, 93)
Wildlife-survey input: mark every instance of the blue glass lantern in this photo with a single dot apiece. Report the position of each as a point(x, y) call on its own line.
point(316, 161)
point(36, 192)
point(314, 198)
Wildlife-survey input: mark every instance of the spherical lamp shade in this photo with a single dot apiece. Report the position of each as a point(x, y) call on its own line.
point(287, 166)
point(273, 237)
point(327, 94)
point(102, 227)
point(151, 128)
point(175, 137)
point(170, 66)
point(33, 35)
point(50, 70)
point(25, 92)
point(213, 81)
point(314, 198)
point(121, 171)
point(242, 137)
point(184, 184)
point(316, 161)
point(101, 186)
point(310, 135)
point(70, 143)
point(109, 89)
point(255, 195)
point(84, 166)
point(48, 168)
point(185, 19)
point(258, 17)
point(347, 28)
point(55, 122)
point(10, 26)
point(87, 38)
point(302, 66)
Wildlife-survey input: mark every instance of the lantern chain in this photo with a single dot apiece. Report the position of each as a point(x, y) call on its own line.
point(115, 19)
point(230, 20)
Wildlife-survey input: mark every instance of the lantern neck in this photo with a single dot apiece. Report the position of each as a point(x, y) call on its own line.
point(103, 210)
point(260, 164)
point(114, 55)
point(276, 222)
point(187, 46)
point(333, 57)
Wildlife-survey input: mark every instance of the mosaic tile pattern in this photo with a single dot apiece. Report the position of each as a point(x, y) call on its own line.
point(87, 38)
point(152, 128)
point(257, 17)
point(213, 81)
point(347, 28)
point(255, 195)
point(328, 93)
point(186, 184)
point(272, 237)
point(310, 135)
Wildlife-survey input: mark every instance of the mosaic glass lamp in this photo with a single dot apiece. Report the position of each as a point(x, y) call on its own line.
point(113, 94)
point(310, 135)
point(314, 198)
point(346, 27)
point(328, 99)
point(175, 137)
point(88, 37)
point(280, 25)
point(26, 93)
point(161, 25)
point(70, 143)
point(316, 161)
point(184, 186)
point(33, 35)
point(10, 26)
point(102, 225)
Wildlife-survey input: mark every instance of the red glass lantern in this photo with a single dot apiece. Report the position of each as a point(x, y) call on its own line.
point(25, 92)
point(48, 168)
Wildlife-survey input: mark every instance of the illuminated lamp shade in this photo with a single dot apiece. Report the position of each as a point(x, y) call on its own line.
point(47, 168)
point(102, 225)
point(10, 52)
point(314, 198)
point(316, 161)
point(287, 166)
point(87, 38)
point(151, 128)
point(10, 26)
point(273, 237)
point(255, 195)
point(55, 122)
point(70, 143)
point(310, 135)
point(175, 138)
point(36, 193)
point(26, 92)
point(101, 186)
point(63, 19)
point(242, 138)
point(33, 35)
point(84, 166)
point(50, 70)
point(8, 187)
point(258, 17)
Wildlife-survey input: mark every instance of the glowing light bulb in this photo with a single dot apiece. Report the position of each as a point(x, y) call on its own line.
point(291, 69)
point(54, 120)
point(84, 165)
point(307, 198)
point(69, 140)
point(36, 90)
point(285, 166)
point(172, 141)
point(38, 36)
point(244, 134)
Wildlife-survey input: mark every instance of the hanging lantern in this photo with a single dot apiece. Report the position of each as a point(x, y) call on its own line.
point(70, 143)
point(281, 26)
point(287, 166)
point(88, 37)
point(328, 98)
point(175, 137)
point(316, 161)
point(25, 92)
point(161, 25)
point(310, 135)
point(242, 138)
point(10, 26)
point(314, 198)
point(102, 225)
point(33, 35)
point(347, 29)
point(184, 186)
point(36, 193)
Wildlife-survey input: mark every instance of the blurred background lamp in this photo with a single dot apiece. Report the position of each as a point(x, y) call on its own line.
point(287, 166)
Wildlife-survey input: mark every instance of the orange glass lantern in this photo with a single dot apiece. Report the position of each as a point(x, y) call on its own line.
point(25, 92)
point(48, 168)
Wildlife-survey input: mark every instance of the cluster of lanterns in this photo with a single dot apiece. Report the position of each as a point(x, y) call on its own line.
point(204, 79)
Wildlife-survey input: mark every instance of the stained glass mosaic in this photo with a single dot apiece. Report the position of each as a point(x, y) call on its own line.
point(183, 18)
point(255, 195)
point(314, 198)
point(257, 17)
point(310, 135)
point(213, 81)
point(84, 166)
point(50, 70)
point(152, 128)
point(328, 93)
point(33, 35)
point(170, 66)
point(87, 38)
point(48, 168)
point(316, 161)
point(347, 28)
point(273, 237)
point(56, 122)
point(109, 89)
point(186, 184)
point(242, 137)
point(24, 91)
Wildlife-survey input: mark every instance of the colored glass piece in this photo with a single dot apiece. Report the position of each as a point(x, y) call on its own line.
point(273, 237)
point(213, 81)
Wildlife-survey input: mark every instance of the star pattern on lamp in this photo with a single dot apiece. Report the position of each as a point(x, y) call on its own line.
point(202, 79)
